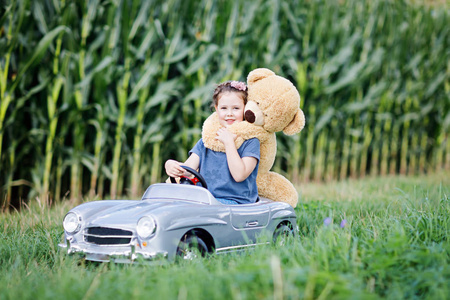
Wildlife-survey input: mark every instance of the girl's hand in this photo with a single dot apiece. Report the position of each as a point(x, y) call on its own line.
point(173, 168)
point(225, 136)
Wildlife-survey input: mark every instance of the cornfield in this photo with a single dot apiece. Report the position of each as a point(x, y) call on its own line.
point(96, 95)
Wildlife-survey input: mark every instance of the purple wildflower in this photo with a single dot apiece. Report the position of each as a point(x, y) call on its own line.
point(343, 223)
point(327, 221)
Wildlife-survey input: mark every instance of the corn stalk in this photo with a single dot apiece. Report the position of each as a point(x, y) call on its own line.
point(373, 77)
point(7, 89)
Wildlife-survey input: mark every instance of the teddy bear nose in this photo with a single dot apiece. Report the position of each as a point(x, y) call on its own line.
point(249, 116)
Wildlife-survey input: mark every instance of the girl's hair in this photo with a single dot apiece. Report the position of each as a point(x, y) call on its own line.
point(230, 86)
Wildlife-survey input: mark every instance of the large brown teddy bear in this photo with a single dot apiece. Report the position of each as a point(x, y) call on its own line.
point(273, 105)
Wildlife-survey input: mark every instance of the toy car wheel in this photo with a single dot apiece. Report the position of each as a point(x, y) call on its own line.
point(282, 234)
point(190, 247)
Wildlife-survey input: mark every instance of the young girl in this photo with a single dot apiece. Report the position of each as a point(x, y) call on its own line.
point(230, 176)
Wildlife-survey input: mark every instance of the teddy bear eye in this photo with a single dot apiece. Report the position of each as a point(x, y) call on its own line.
point(257, 102)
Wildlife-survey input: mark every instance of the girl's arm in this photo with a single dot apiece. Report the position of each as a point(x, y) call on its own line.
point(174, 169)
point(240, 167)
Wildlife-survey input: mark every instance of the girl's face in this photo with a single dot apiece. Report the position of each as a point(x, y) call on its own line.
point(230, 109)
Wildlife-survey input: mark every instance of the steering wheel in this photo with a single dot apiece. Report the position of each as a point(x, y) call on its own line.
point(193, 181)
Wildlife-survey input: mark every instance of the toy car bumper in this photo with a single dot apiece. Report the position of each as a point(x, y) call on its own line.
point(129, 254)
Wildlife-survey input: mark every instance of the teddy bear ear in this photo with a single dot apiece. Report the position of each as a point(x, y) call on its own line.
point(258, 74)
point(296, 124)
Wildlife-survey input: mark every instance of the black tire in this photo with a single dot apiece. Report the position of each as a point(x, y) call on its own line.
point(190, 247)
point(282, 234)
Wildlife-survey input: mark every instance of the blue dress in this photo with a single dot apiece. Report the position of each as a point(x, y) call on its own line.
point(214, 168)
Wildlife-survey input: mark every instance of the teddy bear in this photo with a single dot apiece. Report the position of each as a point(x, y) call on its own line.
point(273, 105)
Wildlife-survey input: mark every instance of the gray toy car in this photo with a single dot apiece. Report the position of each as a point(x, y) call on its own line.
point(172, 220)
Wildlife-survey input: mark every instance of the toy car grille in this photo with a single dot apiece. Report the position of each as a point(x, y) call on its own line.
point(107, 236)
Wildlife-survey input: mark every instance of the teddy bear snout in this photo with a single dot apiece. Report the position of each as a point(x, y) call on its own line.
point(250, 116)
point(253, 113)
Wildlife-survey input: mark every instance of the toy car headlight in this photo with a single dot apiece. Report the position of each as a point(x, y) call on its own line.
point(72, 222)
point(145, 227)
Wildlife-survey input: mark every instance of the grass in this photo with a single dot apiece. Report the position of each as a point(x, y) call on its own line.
point(394, 245)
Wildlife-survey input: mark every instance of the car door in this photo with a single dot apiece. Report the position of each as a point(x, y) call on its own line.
point(248, 221)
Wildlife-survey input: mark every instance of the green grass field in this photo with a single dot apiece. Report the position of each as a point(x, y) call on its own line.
point(394, 245)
